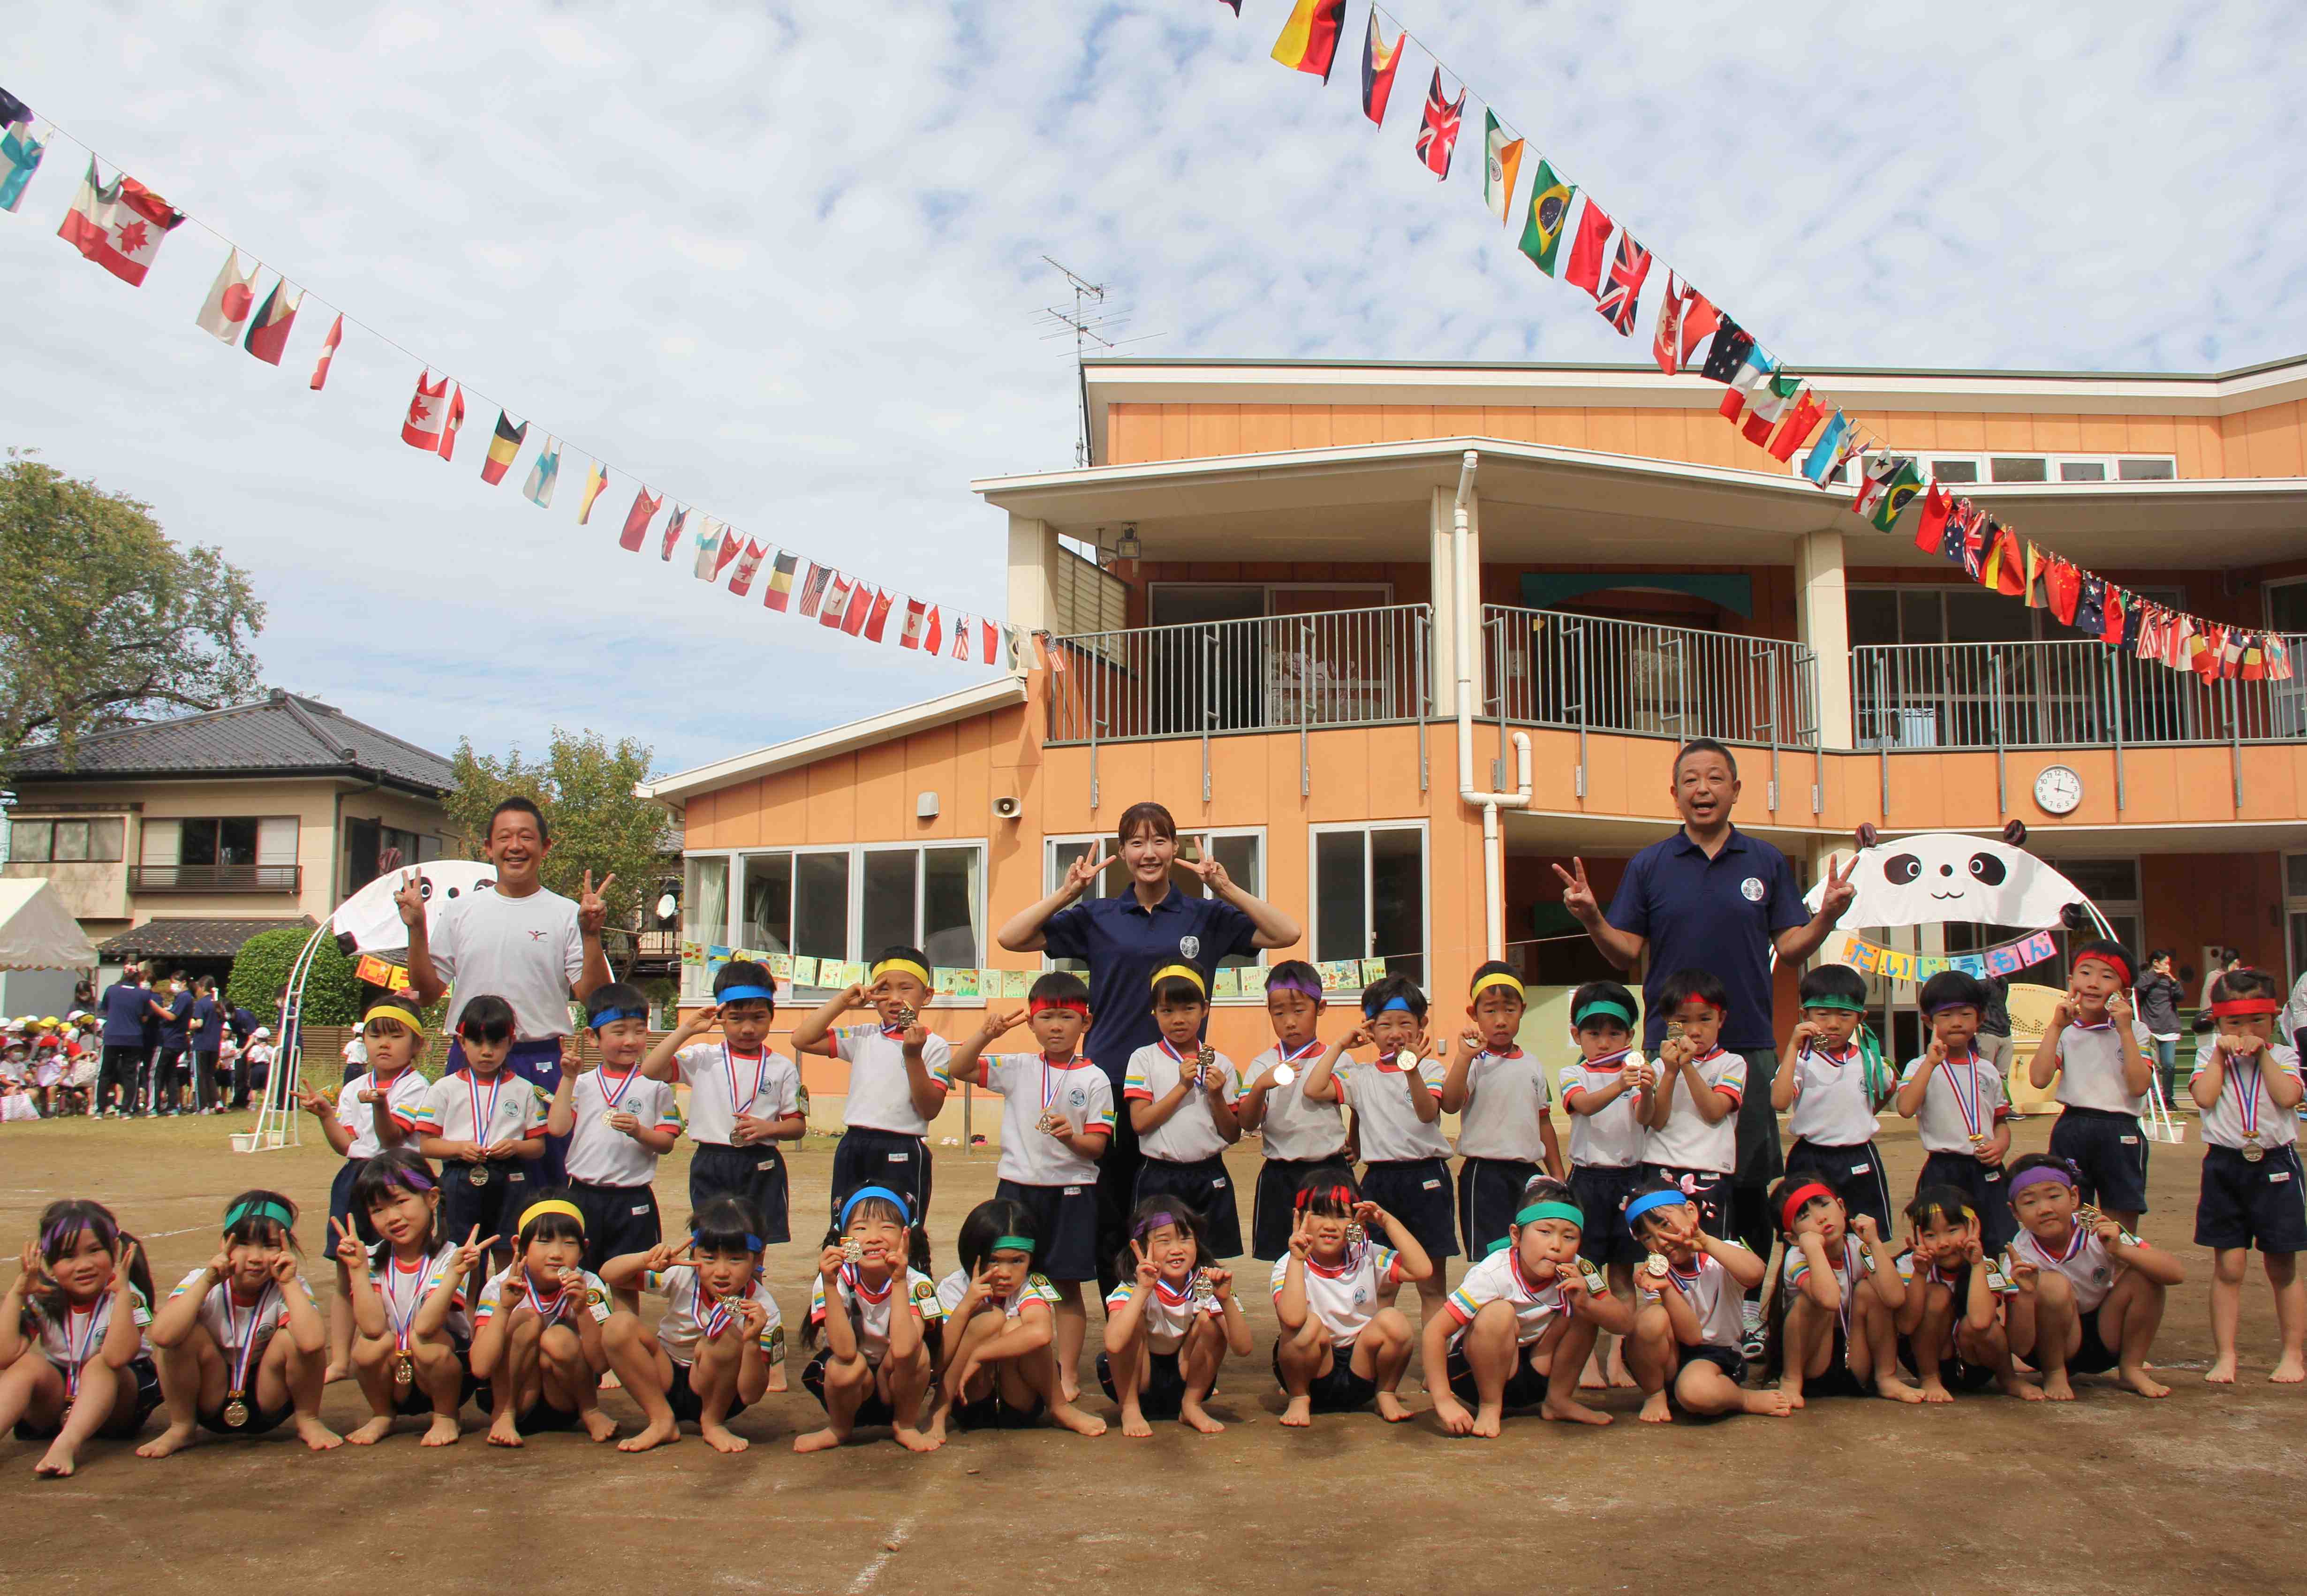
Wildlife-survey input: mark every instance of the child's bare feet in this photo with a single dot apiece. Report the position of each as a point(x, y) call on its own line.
point(1489, 1419)
point(913, 1440)
point(175, 1439)
point(819, 1440)
point(504, 1432)
point(1189, 1413)
point(721, 1438)
point(371, 1432)
point(598, 1425)
point(2024, 1390)
point(2290, 1371)
point(443, 1431)
point(1656, 1409)
point(335, 1372)
point(1073, 1419)
point(1934, 1390)
point(1620, 1379)
point(1593, 1377)
point(2143, 1383)
point(1772, 1403)
point(1133, 1422)
point(2222, 1372)
point(57, 1463)
point(1299, 1412)
point(1891, 1388)
point(1790, 1387)
point(1569, 1410)
point(1390, 1408)
point(777, 1377)
point(662, 1434)
point(316, 1435)
point(2056, 1387)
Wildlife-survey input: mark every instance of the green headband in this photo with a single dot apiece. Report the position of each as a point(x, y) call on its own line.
point(1569, 1212)
point(258, 1210)
point(1024, 1244)
point(1836, 1001)
point(1610, 1006)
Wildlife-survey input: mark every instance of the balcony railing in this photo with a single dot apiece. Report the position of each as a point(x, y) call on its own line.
point(2071, 694)
point(216, 878)
point(1551, 668)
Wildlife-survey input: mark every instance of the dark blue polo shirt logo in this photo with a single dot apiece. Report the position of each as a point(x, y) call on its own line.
point(1189, 947)
point(1752, 888)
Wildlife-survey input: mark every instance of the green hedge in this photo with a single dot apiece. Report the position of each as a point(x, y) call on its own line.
point(262, 967)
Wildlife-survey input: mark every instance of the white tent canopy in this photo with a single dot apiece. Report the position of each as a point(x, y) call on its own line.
point(36, 933)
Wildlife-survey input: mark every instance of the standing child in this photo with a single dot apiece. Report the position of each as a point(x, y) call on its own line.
point(1835, 1330)
point(898, 1081)
point(1691, 1116)
point(2247, 1086)
point(1339, 1349)
point(2091, 1293)
point(1833, 1076)
point(1499, 1095)
point(412, 1355)
point(877, 1315)
point(1296, 1137)
point(1690, 1324)
point(743, 1100)
point(486, 1126)
point(367, 1117)
point(1517, 1331)
point(995, 1367)
point(1056, 1116)
point(1602, 1093)
point(1951, 1326)
point(1954, 1094)
point(2092, 1045)
point(616, 1123)
point(1170, 1323)
point(1181, 1094)
point(73, 1360)
point(1397, 1104)
point(224, 1360)
point(536, 1332)
point(711, 1353)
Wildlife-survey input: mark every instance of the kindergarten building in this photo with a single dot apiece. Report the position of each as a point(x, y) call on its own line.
point(1319, 609)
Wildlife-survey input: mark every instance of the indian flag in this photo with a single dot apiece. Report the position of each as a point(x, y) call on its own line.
point(1503, 167)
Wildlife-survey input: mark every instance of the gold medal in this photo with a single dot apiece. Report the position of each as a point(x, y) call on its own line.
point(1655, 1267)
point(905, 1017)
point(1978, 1138)
point(1674, 1030)
point(235, 1413)
point(2252, 1152)
point(478, 1174)
point(403, 1371)
point(1355, 1234)
point(853, 1251)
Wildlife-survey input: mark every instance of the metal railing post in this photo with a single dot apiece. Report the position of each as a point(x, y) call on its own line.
point(1578, 630)
point(1096, 678)
point(1305, 717)
point(1883, 743)
point(2002, 771)
point(1423, 704)
point(1764, 652)
point(1209, 706)
point(2114, 698)
point(2234, 742)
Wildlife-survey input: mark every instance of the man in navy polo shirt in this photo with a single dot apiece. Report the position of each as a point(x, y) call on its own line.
point(128, 1010)
point(1710, 897)
point(1124, 940)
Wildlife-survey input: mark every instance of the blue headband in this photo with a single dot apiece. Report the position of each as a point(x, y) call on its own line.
point(609, 1016)
point(1389, 1006)
point(862, 1192)
point(739, 994)
point(1654, 1199)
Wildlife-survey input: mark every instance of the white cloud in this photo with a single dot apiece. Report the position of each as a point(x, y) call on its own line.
point(784, 266)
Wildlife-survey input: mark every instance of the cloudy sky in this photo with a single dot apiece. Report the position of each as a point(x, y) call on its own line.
point(783, 262)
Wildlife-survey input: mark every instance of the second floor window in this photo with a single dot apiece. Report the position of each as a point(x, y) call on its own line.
point(217, 842)
point(66, 842)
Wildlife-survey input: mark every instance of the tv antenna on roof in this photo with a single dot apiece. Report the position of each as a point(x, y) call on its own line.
point(1089, 323)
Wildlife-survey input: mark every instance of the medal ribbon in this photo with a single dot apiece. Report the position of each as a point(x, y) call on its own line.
point(248, 1343)
point(760, 1067)
point(612, 1099)
point(1313, 1047)
point(482, 1119)
point(2249, 1105)
point(550, 1312)
point(402, 1323)
point(717, 1313)
point(77, 1351)
point(1966, 1104)
point(1609, 1061)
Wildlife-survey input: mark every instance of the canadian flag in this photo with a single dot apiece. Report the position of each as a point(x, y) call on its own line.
point(740, 580)
point(434, 414)
point(230, 298)
point(836, 602)
point(910, 637)
point(118, 225)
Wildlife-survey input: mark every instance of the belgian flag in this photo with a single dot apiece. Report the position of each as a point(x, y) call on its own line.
point(503, 448)
point(1310, 38)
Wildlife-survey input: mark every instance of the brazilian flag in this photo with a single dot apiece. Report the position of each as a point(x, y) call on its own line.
point(1549, 208)
point(1898, 493)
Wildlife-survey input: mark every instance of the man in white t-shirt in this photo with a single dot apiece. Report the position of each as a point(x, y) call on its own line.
point(532, 948)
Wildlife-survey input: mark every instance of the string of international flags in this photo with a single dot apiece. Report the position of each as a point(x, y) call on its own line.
point(1774, 407)
point(121, 226)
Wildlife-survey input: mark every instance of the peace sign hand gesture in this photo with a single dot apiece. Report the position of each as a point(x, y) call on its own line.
point(1083, 872)
point(592, 905)
point(350, 1251)
point(1578, 892)
point(410, 899)
point(1148, 1271)
point(1840, 892)
point(1213, 874)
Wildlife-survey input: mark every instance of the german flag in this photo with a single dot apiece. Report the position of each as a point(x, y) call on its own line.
point(1310, 38)
point(502, 447)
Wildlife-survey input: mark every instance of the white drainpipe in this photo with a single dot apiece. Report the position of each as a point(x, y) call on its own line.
point(1463, 597)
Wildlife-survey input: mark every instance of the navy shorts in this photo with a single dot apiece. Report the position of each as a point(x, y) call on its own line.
point(687, 1407)
point(1602, 1190)
point(1206, 1188)
point(1065, 1221)
point(1340, 1391)
point(1709, 1191)
point(2094, 1355)
point(2245, 1205)
point(618, 1220)
point(866, 1157)
point(1163, 1395)
point(1730, 1360)
point(1489, 1194)
point(1984, 1185)
point(1838, 1380)
point(415, 1402)
point(1854, 1173)
point(871, 1412)
point(1417, 1192)
point(755, 1173)
point(2110, 1150)
point(1275, 1212)
point(1525, 1387)
point(143, 1377)
point(496, 1207)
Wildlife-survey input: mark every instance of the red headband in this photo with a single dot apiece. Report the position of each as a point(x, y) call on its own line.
point(1068, 1005)
point(2113, 961)
point(1795, 1201)
point(1334, 1194)
point(2244, 1007)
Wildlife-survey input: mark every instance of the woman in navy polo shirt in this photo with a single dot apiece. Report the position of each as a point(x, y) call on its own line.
point(1125, 938)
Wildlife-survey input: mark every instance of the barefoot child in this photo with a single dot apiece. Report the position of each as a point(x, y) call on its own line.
point(1295, 1135)
point(225, 1363)
point(709, 1358)
point(2247, 1086)
point(73, 1360)
point(1056, 1116)
point(413, 1348)
point(897, 1082)
point(2091, 1293)
point(485, 1126)
point(1517, 1332)
point(1691, 1320)
point(1954, 1094)
point(1338, 1349)
point(536, 1332)
point(1181, 1094)
point(877, 1316)
point(616, 1123)
point(995, 1367)
point(1500, 1097)
point(1835, 1329)
point(743, 1100)
point(1690, 1118)
point(1951, 1328)
point(1831, 1075)
point(2093, 1047)
point(1168, 1323)
point(1602, 1093)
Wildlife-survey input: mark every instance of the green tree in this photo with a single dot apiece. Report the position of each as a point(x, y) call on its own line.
point(332, 992)
point(584, 788)
point(104, 620)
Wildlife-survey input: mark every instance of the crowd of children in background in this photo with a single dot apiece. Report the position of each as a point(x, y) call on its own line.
point(1596, 1258)
point(52, 1066)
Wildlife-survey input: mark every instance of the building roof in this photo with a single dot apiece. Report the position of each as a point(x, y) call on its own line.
point(277, 735)
point(190, 938)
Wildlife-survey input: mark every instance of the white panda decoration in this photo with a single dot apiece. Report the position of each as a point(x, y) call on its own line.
point(1935, 875)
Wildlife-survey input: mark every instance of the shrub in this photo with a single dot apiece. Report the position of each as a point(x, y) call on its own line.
point(332, 991)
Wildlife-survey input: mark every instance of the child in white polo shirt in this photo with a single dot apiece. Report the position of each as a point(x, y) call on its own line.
point(618, 1123)
point(1339, 1349)
point(1182, 1095)
point(1954, 1093)
point(1833, 1076)
point(2093, 1046)
point(743, 1099)
point(486, 1126)
point(1602, 1096)
point(1295, 1135)
point(1691, 1116)
point(1499, 1095)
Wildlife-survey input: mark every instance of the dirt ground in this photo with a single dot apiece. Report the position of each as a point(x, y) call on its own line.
point(2112, 1493)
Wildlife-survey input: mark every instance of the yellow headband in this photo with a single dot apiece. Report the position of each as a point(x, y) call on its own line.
point(902, 965)
point(1497, 978)
point(392, 1009)
point(1188, 971)
point(536, 1210)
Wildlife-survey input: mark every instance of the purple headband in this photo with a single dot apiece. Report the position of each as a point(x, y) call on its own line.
point(1154, 1221)
point(1294, 983)
point(408, 1179)
point(2035, 1174)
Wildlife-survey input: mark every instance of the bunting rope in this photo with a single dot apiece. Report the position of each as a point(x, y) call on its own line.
point(121, 226)
point(1773, 408)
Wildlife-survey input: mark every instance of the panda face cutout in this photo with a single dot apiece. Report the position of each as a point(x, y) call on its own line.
point(1952, 875)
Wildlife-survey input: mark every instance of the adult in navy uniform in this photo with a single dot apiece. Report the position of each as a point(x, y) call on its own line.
point(1711, 897)
point(1125, 938)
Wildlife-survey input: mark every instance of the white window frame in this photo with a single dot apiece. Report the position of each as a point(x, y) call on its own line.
point(1266, 590)
point(1071, 843)
point(1315, 833)
point(2294, 905)
point(1982, 459)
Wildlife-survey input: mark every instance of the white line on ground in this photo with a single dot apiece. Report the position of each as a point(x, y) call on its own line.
point(872, 1570)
